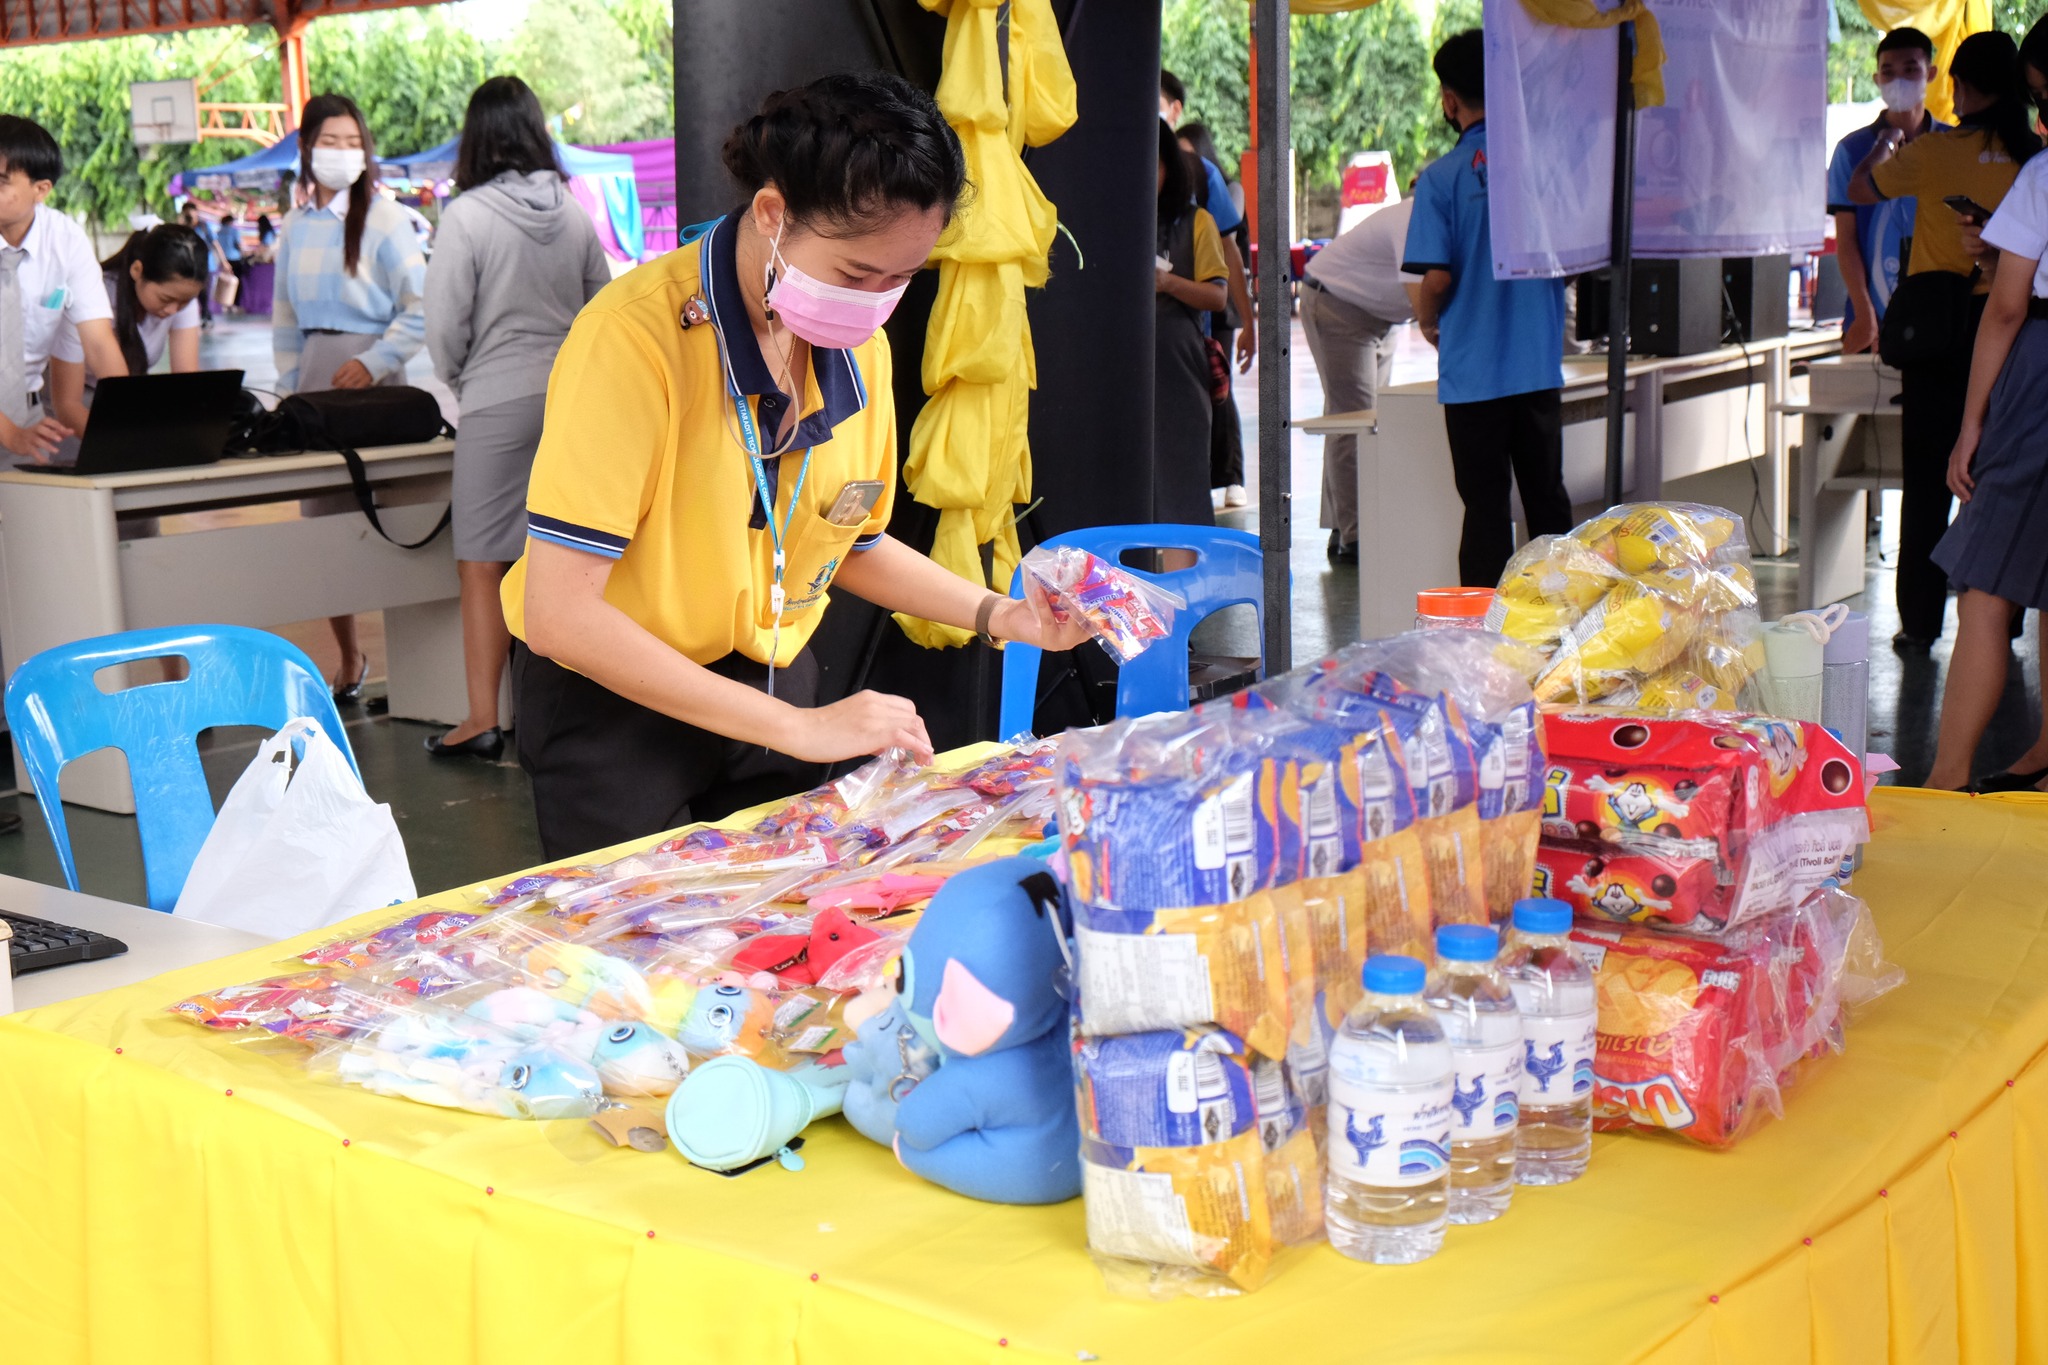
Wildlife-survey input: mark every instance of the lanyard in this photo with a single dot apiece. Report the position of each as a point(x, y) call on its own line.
point(751, 438)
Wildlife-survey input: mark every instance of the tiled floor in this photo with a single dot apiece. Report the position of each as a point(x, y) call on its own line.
point(466, 820)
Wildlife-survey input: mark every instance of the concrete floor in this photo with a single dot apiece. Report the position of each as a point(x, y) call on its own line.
point(465, 820)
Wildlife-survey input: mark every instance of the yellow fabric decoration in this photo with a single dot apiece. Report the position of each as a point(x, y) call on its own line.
point(1898, 1211)
point(1649, 67)
point(1947, 22)
point(970, 453)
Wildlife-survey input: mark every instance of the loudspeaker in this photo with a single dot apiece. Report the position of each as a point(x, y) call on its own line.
point(1759, 291)
point(1674, 307)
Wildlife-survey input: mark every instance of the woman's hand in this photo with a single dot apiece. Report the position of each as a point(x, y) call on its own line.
point(865, 723)
point(37, 441)
point(1959, 481)
point(1031, 622)
point(1860, 335)
point(1162, 279)
point(353, 375)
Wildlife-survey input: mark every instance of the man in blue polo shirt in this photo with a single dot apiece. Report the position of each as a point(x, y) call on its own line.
point(1870, 238)
point(1500, 343)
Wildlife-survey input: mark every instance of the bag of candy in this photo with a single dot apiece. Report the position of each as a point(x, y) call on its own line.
point(1123, 611)
point(1197, 1161)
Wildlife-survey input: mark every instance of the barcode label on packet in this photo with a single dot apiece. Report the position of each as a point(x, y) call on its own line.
point(1322, 806)
point(1239, 833)
point(1269, 1096)
point(1222, 825)
point(1138, 1215)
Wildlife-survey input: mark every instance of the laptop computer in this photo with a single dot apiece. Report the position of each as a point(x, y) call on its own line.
point(155, 421)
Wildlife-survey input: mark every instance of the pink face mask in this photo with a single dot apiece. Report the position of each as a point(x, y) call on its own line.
point(827, 315)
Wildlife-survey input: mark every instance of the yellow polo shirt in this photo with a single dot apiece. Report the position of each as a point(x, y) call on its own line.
point(639, 461)
point(1947, 161)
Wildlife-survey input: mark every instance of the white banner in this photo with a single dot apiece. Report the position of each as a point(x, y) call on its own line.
point(1732, 164)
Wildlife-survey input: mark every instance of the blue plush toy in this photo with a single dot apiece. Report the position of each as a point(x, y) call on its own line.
point(979, 984)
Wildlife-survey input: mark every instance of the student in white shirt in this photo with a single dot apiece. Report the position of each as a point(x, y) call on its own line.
point(48, 277)
point(153, 284)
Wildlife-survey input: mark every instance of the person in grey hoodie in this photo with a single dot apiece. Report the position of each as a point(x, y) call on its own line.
point(515, 260)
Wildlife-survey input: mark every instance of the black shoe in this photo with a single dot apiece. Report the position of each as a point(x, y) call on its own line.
point(1911, 644)
point(2010, 781)
point(1341, 552)
point(351, 692)
point(484, 744)
point(10, 823)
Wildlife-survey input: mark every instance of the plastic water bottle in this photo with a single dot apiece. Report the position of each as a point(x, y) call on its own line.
point(1475, 1007)
point(1554, 989)
point(1390, 1121)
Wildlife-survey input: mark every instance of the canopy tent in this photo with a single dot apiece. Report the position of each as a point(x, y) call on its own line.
point(603, 182)
point(260, 171)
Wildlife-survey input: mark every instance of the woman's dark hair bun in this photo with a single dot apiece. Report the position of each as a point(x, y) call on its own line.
point(847, 151)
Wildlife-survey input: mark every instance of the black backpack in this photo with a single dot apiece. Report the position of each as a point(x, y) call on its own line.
point(344, 420)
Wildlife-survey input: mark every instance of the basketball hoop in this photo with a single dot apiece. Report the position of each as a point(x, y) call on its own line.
point(162, 112)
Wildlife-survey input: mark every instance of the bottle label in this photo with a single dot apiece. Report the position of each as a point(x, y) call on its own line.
point(1486, 1090)
point(1557, 1059)
point(1377, 1138)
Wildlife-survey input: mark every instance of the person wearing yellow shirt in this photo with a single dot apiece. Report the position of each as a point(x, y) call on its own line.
point(1188, 282)
point(1978, 160)
point(718, 451)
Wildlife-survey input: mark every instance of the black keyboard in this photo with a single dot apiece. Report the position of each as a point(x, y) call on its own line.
point(37, 943)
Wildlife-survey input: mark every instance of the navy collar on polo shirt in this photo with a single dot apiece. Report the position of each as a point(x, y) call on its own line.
point(841, 392)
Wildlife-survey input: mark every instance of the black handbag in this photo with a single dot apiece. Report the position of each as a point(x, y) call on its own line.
point(345, 420)
point(1931, 320)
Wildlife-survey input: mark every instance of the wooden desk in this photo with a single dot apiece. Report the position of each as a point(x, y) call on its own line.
point(94, 555)
point(1851, 445)
point(157, 942)
point(1696, 427)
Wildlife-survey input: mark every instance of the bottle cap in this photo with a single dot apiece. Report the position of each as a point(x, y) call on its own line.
point(1464, 603)
point(1543, 916)
point(1392, 974)
point(1468, 942)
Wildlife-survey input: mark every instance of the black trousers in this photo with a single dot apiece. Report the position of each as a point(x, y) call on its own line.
point(606, 770)
point(1517, 441)
point(1931, 401)
point(1226, 432)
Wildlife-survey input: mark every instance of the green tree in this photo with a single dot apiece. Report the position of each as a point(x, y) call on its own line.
point(411, 70)
point(590, 71)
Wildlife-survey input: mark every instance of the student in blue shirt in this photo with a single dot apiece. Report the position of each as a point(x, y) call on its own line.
point(1870, 238)
point(1500, 343)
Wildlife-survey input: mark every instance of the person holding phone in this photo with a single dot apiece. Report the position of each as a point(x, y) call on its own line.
point(1977, 160)
point(719, 451)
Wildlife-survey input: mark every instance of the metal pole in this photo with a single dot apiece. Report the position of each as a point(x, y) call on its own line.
point(1276, 475)
point(1620, 250)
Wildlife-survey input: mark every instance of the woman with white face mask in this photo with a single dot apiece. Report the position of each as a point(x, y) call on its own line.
point(349, 308)
point(719, 450)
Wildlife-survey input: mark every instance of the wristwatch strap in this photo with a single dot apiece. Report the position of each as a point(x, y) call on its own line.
point(982, 615)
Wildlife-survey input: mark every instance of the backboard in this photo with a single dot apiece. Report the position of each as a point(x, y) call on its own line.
point(164, 111)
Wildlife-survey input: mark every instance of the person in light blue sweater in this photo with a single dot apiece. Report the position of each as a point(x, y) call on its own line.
point(349, 310)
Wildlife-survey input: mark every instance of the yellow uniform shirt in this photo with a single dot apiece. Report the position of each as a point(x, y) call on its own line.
point(1966, 161)
point(639, 460)
point(1209, 264)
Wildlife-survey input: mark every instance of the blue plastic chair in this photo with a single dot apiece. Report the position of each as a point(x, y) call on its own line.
point(235, 676)
point(1228, 570)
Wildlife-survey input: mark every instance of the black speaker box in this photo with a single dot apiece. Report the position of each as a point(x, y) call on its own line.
point(1674, 307)
point(1759, 293)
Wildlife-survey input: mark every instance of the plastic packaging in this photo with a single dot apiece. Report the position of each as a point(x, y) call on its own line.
point(1702, 1037)
point(1698, 821)
point(1122, 611)
point(1554, 994)
point(1475, 1007)
point(1390, 1122)
point(1845, 683)
point(1648, 605)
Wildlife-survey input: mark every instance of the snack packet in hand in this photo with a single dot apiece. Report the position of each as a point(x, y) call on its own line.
point(1122, 610)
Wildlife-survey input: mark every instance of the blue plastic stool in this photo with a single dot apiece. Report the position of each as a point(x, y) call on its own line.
point(236, 676)
point(1228, 570)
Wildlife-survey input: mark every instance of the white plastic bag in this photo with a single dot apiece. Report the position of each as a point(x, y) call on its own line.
point(298, 846)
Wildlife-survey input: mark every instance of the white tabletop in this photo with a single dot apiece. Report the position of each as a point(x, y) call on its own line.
point(233, 467)
point(157, 942)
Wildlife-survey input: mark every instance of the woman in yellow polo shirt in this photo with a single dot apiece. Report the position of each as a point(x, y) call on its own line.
point(1978, 159)
point(719, 450)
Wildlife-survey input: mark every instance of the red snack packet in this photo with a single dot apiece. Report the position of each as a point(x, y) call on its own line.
point(1633, 883)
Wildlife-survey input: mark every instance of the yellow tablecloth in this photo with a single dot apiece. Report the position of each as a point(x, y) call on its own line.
point(167, 1197)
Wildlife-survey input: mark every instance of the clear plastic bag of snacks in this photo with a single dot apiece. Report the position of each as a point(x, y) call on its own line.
point(1702, 1037)
point(1696, 821)
point(1171, 827)
point(1199, 1163)
point(1122, 610)
point(1650, 605)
